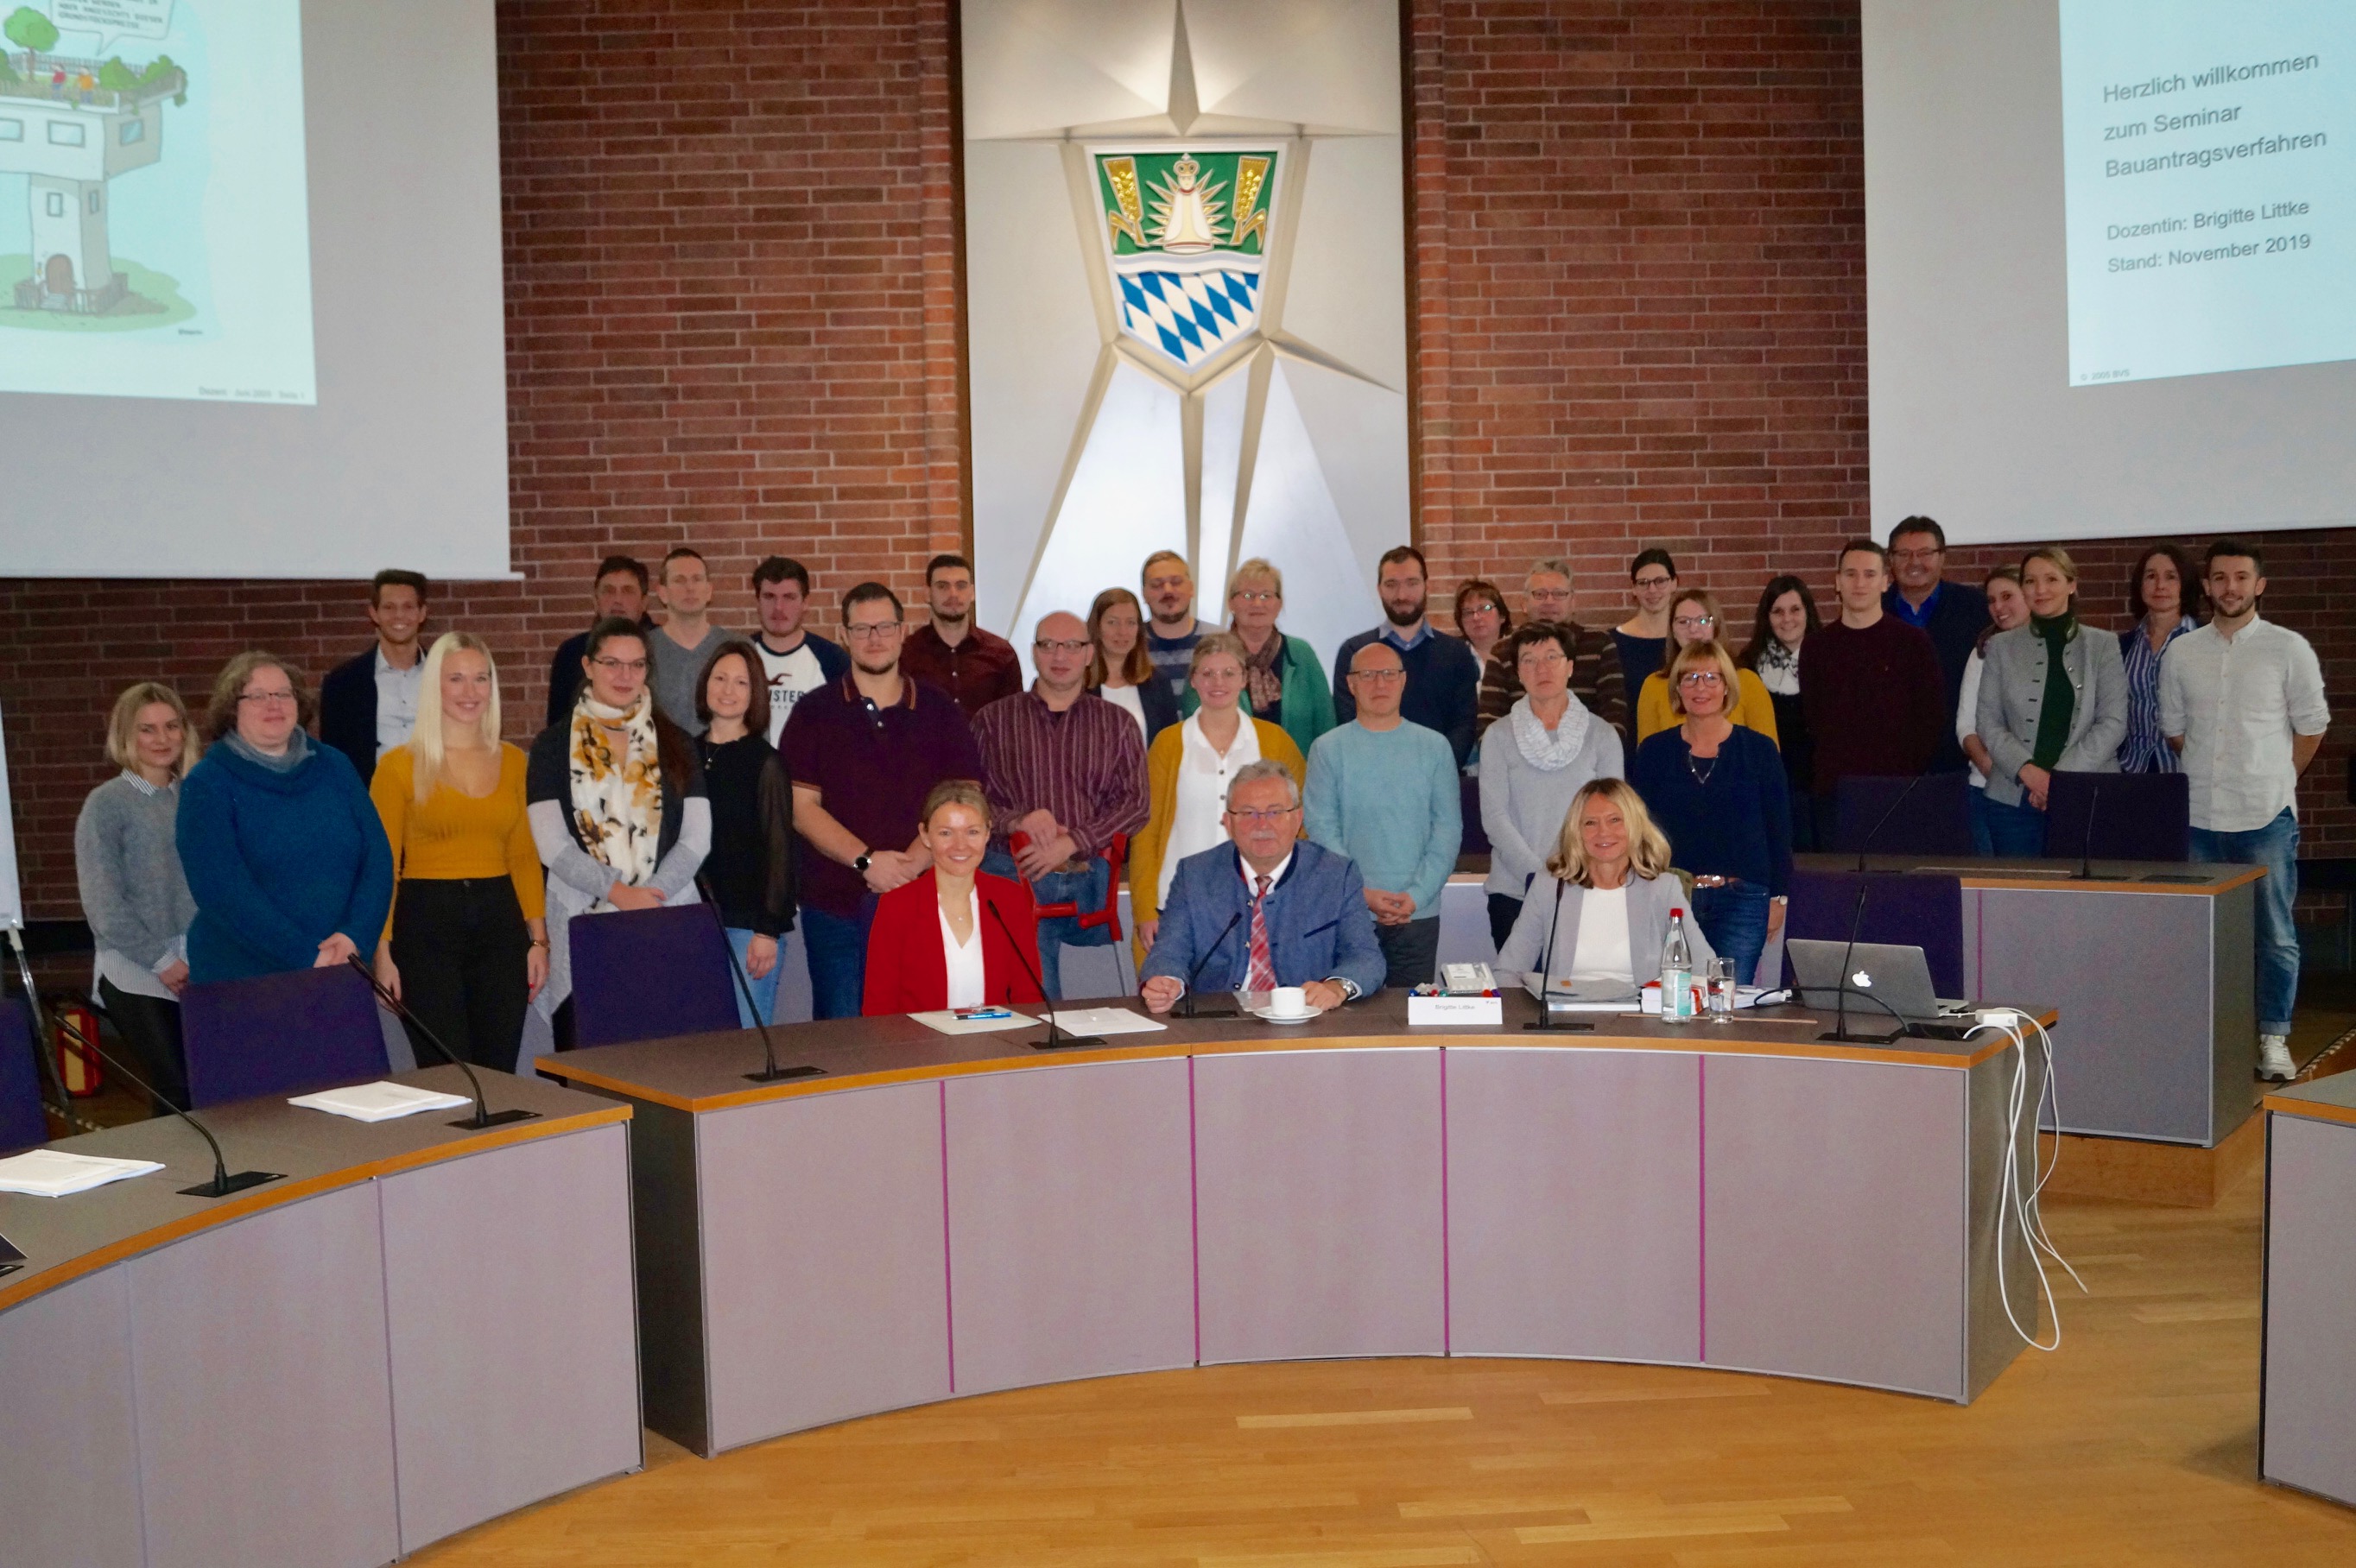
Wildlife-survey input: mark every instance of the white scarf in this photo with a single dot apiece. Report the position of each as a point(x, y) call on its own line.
point(1779, 669)
point(1549, 753)
point(618, 799)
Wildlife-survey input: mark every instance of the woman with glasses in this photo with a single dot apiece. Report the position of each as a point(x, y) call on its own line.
point(1544, 750)
point(1694, 618)
point(616, 805)
point(134, 892)
point(2165, 597)
point(1282, 675)
point(2053, 698)
point(1120, 672)
point(466, 945)
point(1187, 771)
point(1718, 791)
point(282, 849)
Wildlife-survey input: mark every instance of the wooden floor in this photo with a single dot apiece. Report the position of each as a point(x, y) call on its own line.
point(2134, 1443)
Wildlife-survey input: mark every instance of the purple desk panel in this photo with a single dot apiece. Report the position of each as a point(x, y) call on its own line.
point(2307, 1429)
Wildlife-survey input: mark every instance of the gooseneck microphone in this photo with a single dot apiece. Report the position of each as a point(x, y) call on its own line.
point(1055, 1039)
point(1546, 1019)
point(1865, 844)
point(770, 1072)
point(484, 1116)
point(2085, 871)
point(1221, 1006)
point(224, 1183)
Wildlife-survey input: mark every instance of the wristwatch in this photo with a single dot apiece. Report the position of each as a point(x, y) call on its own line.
point(861, 863)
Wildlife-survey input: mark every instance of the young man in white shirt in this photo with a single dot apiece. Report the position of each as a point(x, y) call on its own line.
point(2242, 702)
point(796, 663)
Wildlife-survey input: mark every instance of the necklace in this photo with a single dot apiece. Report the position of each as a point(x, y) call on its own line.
point(1700, 775)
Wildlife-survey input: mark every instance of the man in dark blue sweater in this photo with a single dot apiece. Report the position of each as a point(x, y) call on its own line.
point(1443, 678)
point(1950, 613)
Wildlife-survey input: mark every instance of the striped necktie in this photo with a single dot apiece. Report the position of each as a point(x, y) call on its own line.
point(1261, 975)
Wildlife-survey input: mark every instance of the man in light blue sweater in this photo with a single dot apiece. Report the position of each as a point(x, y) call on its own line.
point(1383, 792)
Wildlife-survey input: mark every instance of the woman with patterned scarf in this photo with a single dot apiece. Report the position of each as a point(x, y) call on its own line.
point(616, 805)
point(1285, 683)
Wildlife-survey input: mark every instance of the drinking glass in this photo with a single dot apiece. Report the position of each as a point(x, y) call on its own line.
point(1721, 990)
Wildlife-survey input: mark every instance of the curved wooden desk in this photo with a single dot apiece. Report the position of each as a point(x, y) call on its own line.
point(2306, 1388)
point(943, 1215)
point(335, 1367)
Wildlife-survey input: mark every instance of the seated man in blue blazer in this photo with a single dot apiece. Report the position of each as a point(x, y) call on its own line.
point(1307, 905)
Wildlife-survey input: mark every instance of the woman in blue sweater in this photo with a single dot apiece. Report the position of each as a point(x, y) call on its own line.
point(1718, 791)
point(282, 849)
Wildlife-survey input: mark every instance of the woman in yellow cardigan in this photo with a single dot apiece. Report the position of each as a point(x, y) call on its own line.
point(1187, 771)
point(1694, 618)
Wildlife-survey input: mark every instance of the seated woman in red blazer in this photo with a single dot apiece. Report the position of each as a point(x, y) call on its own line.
point(933, 944)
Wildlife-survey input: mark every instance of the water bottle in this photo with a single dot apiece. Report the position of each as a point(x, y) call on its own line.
point(1676, 973)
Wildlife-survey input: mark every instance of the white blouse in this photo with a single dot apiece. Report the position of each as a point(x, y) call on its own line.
point(1125, 697)
point(1203, 776)
point(968, 981)
point(1604, 957)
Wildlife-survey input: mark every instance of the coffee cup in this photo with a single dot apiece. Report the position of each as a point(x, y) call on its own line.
point(1288, 1001)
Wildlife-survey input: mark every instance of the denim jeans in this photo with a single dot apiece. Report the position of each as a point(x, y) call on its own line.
point(2274, 846)
point(837, 946)
point(1086, 889)
point(1734, 919)
point(765, 987)
point(2015, 832)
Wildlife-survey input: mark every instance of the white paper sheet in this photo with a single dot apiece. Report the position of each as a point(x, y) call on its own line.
point(948, 1022)
point(52, 1173)
point(1106, 1020)
point(383, 1101)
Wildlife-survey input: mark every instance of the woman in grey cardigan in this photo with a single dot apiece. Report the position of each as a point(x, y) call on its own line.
point(134, 892)
point(1597, 918)
point(1532, 762)
point(2053, 698)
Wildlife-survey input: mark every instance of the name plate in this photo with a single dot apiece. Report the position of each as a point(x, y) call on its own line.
point(1459, 1010)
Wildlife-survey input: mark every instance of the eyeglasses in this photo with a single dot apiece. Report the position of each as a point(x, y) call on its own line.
point(265, 698)
point(1263, 818)
point(615, 666)
point(1379, 677)
point(1694, 623)
point(1068, 645)
point(1700, 677)
point(1929, 552)
point(1543, 658)
point(873, 631)
point(1654, 581)
point(1257, 595)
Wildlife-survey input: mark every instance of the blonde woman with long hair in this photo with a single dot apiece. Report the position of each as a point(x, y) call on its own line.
point(134, 893)
point(1596, 918)
point(466, 945)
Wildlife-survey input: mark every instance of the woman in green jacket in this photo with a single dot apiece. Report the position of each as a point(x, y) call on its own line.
point(1285, 683)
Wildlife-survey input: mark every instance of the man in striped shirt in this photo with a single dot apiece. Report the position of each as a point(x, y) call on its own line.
point(1065, 771)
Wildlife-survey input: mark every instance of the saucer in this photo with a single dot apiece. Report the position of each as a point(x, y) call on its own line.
point(1270, 1016)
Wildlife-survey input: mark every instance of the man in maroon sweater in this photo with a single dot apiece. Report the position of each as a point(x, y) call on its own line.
point(1870, 685)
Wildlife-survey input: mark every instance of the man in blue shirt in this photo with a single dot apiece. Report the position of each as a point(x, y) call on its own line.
point(1443, 678)
point(1950, 613)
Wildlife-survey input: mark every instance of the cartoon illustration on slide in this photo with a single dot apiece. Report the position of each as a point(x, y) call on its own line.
point(74, 127)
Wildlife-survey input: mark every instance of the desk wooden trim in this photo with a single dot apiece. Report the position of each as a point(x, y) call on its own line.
point(23, 1288)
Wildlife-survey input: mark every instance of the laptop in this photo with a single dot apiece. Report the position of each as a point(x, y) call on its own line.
point(1884, 980)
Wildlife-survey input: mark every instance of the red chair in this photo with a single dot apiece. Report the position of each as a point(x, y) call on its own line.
point(1116, 856)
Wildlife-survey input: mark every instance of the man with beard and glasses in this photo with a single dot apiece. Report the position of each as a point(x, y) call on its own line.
point(1443, 678)
point(2242, 701)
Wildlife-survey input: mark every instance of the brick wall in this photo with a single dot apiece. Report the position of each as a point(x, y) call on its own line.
point(1638, 271)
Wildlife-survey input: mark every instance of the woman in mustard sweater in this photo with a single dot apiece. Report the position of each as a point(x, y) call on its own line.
point(1694, 618)
point(1186, 775)
point(467, 946)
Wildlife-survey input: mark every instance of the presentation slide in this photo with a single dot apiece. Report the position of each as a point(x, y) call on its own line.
point(155, 213)
point(2110, 288)
point(2209, 153)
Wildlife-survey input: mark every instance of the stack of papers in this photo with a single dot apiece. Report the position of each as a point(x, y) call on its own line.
point(380, 1102)
point(948, 1023)
point(1105, 1020)
point(51, 1173)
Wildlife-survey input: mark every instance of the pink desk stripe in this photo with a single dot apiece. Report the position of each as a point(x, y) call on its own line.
point(1701, 1196)
point(1193, 1212)
point(948, 1285)
point(1447, 1339)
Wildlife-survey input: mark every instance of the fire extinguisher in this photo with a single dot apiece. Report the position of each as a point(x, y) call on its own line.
point(74, 1029)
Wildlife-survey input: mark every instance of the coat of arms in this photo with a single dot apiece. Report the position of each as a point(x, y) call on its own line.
point(1186, 232)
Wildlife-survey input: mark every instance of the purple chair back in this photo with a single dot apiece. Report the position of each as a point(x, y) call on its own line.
point(1902, 910)
point(2133, 816)
point(22, 1124)
point(1936, 819)
point(649, 974)
point(279, 1034)
point(1476, 837)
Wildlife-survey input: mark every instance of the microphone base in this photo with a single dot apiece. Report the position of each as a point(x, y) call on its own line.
point(233, 1182)
point(1067, 1042)
point(779, 1074)
point(477, 1121)
point(1562, 1026)
point(1858, 1037)
point(1218, 1004)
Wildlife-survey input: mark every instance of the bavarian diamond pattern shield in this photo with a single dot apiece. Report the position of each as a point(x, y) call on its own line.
point(1186, 232)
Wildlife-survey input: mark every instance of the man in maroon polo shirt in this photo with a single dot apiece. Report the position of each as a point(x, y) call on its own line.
point(950, 651)
point(863, 751)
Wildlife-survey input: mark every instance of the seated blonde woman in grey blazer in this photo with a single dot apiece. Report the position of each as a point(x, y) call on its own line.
point(2053, 698)
point(1605, 896)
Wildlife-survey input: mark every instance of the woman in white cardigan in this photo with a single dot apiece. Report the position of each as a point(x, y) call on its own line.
point(1599, 915)
point(1532, 762)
